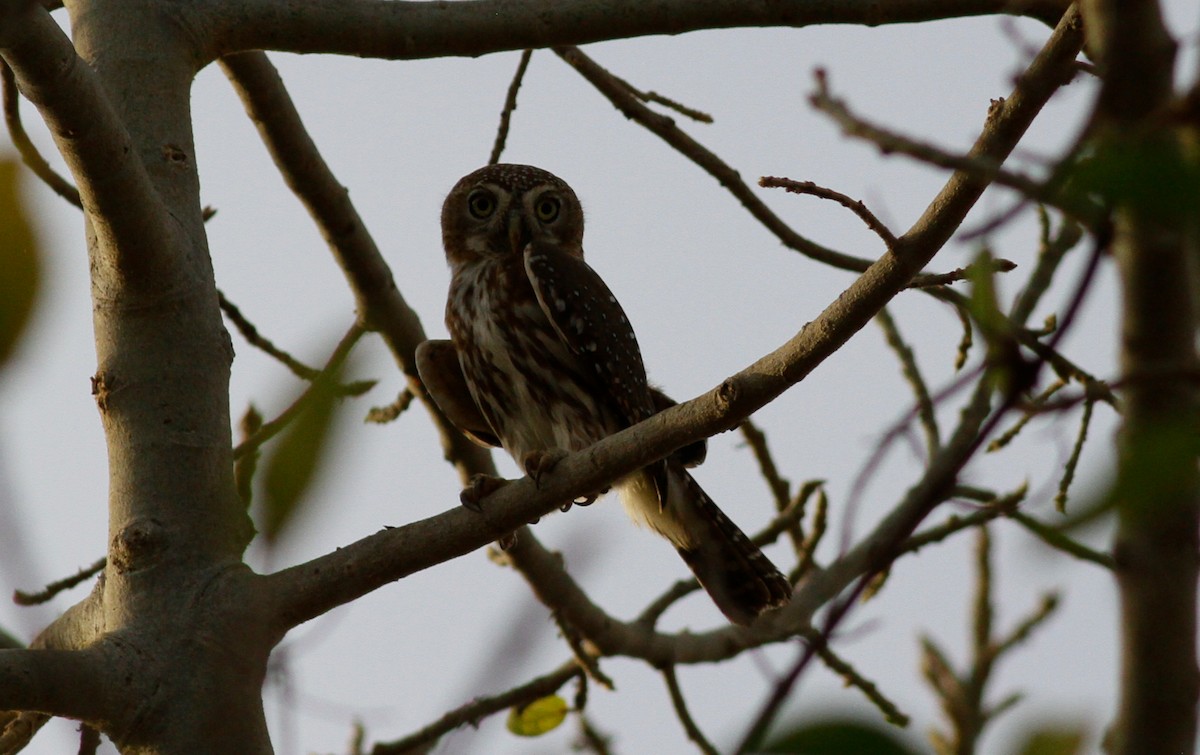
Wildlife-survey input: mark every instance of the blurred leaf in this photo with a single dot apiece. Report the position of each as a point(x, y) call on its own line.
point(538, 717)
point(1053, 741)
point(838, 738)
point(298, 458)
point(19, 265)
point(1157, 466)
point(1148, 174)
point(1008, 370)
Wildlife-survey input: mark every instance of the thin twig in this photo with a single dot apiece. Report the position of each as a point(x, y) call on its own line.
point(480, 708)
point(809, 549)
point(912, 375)
point(687, 112)
point(381, 415)
point(246, 466)
point(20, 139)
point(592, 739)
point(510, 104)
point(1003, 506)
point(588, 661)
point(261, 342)
point(987, 170)
point(274, 427)
point(1022, 631)
point(23, 598)
point(994, 265)
point(681, 711)
point(854, 205)
point(1051, 252)
point(619, 94)
point(1056, 539)
point(1064, 485)
point(780, 487)
point(852, 678)
point(1006, 437)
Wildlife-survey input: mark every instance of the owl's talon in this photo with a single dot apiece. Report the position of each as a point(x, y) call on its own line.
point(538, 463)
point(481, 487)
point(507, 541)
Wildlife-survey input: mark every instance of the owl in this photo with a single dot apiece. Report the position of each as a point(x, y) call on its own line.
point(542, 360)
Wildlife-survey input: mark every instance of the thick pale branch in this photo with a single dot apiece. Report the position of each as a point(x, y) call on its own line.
point(58, 682)
point(405, 30)
point(124, 208)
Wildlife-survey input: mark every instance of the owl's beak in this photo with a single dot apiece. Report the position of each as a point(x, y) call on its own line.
point(518, 235)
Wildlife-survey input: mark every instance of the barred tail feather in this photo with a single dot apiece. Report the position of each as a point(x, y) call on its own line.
point(732, 570)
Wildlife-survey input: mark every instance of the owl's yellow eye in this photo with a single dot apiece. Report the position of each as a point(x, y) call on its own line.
point(547, 209)
point(481, 204)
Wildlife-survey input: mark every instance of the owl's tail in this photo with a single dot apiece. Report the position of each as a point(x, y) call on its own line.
point(731, 569)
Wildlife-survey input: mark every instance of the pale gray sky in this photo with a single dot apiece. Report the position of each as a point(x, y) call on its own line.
point(708, 291)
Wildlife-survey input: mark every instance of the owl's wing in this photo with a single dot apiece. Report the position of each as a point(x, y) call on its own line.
point(590, 321)
point(441, 372)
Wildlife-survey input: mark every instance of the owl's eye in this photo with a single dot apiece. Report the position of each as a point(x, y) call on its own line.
point(547, 209)
point(481, 204)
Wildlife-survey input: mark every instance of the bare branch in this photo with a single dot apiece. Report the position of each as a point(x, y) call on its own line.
point(986, 169)
point(383, 414)
point(1056, 539)
point(261, 342)
point(22, 598)
point(481, 708)
point(408, 30)
point(854, 205)
point(623, 99)
point(24, 145)
point(270, 429)
point(510, 104)
point(309, 589)
point(912, 375)
point(1064, 484)
point(681, 712)
point(756, 439)
point(667, 102)
point(853, 678)
point(998, 507)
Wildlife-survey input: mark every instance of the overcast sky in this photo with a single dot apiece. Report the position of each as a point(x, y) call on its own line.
point(708, 290)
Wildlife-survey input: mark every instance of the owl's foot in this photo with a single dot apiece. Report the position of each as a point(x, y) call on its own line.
point(538, 463)
point(481, 487)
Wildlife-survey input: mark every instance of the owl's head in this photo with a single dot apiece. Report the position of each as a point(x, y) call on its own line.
point(499, 210)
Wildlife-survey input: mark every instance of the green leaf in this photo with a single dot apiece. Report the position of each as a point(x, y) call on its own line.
point(538, 717)
point(1054, 740)
point(19, 260)
point(1148, 174)
point(838, 737)
point(298, 458)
